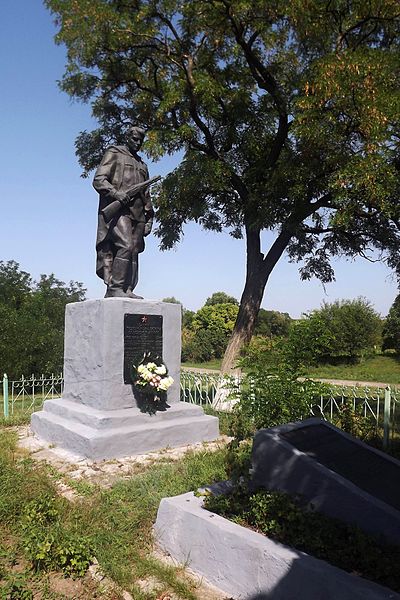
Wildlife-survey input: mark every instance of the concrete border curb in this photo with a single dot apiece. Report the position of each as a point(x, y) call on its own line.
point(246, 564)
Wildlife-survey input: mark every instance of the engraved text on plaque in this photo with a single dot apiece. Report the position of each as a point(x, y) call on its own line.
point(142, 333)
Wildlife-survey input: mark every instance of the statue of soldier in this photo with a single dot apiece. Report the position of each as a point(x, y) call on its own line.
point(120, 234)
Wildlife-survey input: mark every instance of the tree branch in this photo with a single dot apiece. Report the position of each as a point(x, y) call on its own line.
point(265, 81)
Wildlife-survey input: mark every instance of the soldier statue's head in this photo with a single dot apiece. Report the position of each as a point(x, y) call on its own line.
point(135, 138)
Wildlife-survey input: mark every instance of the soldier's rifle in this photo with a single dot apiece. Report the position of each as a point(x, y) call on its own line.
point(112, 209)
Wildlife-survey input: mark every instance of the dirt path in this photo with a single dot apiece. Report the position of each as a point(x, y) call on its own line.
point(338, 382)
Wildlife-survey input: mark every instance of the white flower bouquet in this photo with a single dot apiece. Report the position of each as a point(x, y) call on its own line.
point(151, 377)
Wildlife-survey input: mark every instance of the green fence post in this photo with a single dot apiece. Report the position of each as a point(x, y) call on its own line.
point(5, 396)
point(386, 418)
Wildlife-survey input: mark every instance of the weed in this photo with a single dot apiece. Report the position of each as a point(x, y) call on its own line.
point(83, 488)
point(115, 525)
point(74, 556)
point(48, 544)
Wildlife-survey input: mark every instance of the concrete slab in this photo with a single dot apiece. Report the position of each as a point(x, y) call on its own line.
point(248, 565)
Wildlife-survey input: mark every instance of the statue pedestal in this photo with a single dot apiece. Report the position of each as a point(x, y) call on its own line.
point(99, 415)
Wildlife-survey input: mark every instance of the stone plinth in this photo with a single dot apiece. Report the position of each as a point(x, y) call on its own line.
point(98, 416)
point(94, 350)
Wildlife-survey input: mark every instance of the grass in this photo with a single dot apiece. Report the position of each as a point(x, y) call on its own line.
point(381, 368)
point(115, 523)
point(214, 364)
point(384, 369)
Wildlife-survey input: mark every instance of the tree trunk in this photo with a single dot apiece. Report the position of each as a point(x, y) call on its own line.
point(258, 270)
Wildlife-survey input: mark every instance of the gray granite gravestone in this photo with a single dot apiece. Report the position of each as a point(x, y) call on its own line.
point(336, 473)
point(99, 415)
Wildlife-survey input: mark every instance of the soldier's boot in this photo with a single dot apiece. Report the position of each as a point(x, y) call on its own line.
point(118, 278)
point(134, 278)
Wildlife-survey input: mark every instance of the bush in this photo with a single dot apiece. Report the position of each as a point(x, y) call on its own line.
point(391, 329)
point(353, 421)
point(270, 400)
point(208, 333)
point(270, 393)
point(345, 330)
point(272, 323)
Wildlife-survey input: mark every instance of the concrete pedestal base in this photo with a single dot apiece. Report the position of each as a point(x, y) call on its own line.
point(99, 415)
point(99, 434)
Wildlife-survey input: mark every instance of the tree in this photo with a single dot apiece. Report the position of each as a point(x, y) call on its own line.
point(220, 298)
point(207, 335)
point(272, 323)
point(15, 284)
point(344, 330)
point(32, 320)
point(391, 330)
point(172, 300)
point(287, 114)
point(187, 315)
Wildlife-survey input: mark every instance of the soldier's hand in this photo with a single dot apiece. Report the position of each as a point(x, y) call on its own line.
point(148, 226)
point(122, 197)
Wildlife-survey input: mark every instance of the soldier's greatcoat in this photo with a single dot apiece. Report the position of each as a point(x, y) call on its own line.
point(119, 170)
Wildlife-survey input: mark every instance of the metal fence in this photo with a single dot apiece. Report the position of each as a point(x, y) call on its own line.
point(381, 405)
point(27, 394)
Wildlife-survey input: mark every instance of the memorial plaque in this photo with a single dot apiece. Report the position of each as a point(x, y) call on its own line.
point(337, 474)
point(142, 333)
point(365, 468)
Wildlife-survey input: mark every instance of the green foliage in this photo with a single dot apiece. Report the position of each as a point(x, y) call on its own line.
point(187, 317)
point(213, 317)
point(220, 298)
point(282, 518)
point(172, 300)
point(16, 588)
point(353, 421)
point(343, 330)
point(391, 330)
point(270, 400)
point(32, 320)
point(209, 330)
point(270, 393)
point(286, 113)
point(48, 545)
point(272, 323)
point(74, 556)
point(203, 345)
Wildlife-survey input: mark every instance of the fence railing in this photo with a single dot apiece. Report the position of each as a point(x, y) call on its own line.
point(381, 405)
point(27, 394)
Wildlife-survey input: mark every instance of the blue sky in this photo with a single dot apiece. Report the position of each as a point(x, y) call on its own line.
point(48, 212)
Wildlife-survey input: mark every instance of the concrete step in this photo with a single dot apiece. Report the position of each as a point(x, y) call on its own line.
point(135, 438)
point(104, 419)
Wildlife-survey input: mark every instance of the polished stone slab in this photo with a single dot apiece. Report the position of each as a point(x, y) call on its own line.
point(335, 473)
